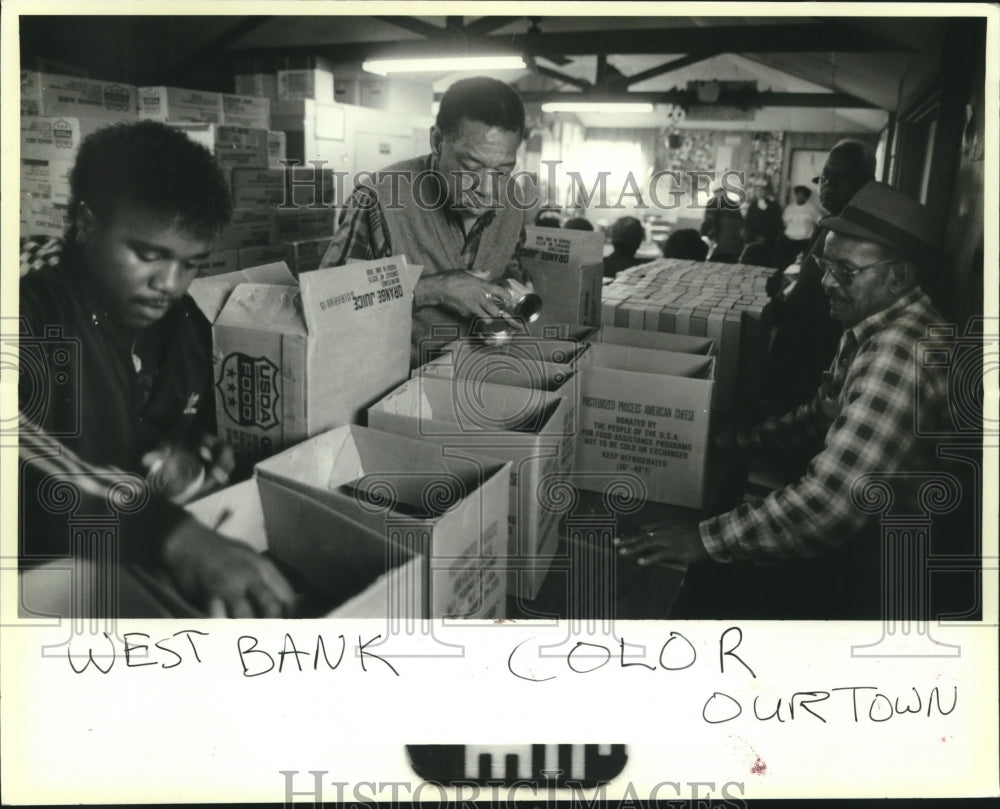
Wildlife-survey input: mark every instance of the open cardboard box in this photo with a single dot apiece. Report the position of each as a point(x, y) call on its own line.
point(514, 365)
point(566, 269)
point(529, 428)
point(294, 357)
point(646, 412)
point(428, 534)
point(661, 341)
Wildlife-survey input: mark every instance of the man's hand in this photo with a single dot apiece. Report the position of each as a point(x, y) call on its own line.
point(214, 454)
point(460, 292)
point(671, 544)
point(223, 577)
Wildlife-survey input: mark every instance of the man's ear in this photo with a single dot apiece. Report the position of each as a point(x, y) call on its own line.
point(86, 223)
point(904, 275)
point(436, 138)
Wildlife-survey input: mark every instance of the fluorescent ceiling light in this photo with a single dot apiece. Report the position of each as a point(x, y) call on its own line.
point(443, 64)
point(595, 106)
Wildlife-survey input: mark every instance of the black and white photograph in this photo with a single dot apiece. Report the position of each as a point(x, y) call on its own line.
point(564, 352)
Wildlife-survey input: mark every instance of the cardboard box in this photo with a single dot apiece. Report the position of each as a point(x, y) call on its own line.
point(249, 227)
point(293, 358)
point(253, 112)
point(308, 253)
point(52, 95)
point(567, 271)
point(529, 428)
point(266, 187)
point(277, 147)
point(299, 224)
point(305, 77)
point(445, 514)
point(219, 262)
point(554, 330)
point(233, 146)
point(41, 217)
point(515, 366)
point(46, 180)
point(56, 138)
point(347, 90)
point(646, 412)
point(267, 254)
point(257, 83)
point(180, 104)
point(661, 341)
point(236, 512)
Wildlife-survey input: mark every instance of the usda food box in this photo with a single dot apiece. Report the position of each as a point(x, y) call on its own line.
point(293, 358)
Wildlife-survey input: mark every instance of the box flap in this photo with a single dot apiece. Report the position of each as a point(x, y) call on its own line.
point(652, 361)
point(212, 293)
point(337, 297)
point(264, 307)
point(663, 341)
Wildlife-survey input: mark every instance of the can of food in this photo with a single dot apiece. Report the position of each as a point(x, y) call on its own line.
point(176, 476)
point(520, 303)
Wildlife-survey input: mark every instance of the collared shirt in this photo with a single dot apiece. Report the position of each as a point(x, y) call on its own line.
point(864, 415)
point(363, 235)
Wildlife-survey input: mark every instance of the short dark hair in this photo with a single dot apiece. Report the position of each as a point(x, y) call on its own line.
point(627, 234)
point(859, 156)
point(803, 189)
point(480, 98)
point(153, 166)
point(577, 223)
point(685, 243)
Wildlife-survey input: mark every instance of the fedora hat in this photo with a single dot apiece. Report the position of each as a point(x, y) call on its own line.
point(880, 213)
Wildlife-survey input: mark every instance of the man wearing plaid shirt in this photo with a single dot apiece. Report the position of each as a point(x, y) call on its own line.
point(861, 421)
point(453, 212)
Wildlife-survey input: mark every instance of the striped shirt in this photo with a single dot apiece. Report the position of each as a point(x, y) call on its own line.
point(864, 416)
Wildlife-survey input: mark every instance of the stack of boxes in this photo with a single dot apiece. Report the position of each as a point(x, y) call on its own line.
point(704, 299)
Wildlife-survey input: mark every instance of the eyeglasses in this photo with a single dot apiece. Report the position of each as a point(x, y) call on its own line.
point(844, 274)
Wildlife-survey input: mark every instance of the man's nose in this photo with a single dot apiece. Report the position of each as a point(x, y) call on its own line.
point(170, 277)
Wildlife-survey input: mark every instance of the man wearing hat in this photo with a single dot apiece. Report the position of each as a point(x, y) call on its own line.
point(823, 559)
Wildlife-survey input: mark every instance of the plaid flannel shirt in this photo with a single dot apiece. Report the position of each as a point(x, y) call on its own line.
point(363, 236)
point(866, 408)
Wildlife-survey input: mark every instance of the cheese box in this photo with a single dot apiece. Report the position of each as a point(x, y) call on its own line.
point(249, 227)
point(56, 139)
point(567, 271)
point(305, 77)
point(292, 358)
point(250, 111)
point(646, 413)
point(680, 343)
point(308, 253)
point(46, 180)
point(52, 95)
point(258, 83)
point(277, 147)
point(180, 104)
point(529, 428)
point(349, 507)
point(233, 146)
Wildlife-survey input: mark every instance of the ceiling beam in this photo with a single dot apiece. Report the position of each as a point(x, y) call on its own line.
point(782, 38)
point(686, 98)
point(415, 26)
point(487, 25)
point(668, 67)
point(541, 70)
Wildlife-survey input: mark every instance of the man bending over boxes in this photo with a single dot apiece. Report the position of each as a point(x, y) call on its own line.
point(116, 390)
point(453, 211)
point(812, 542)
